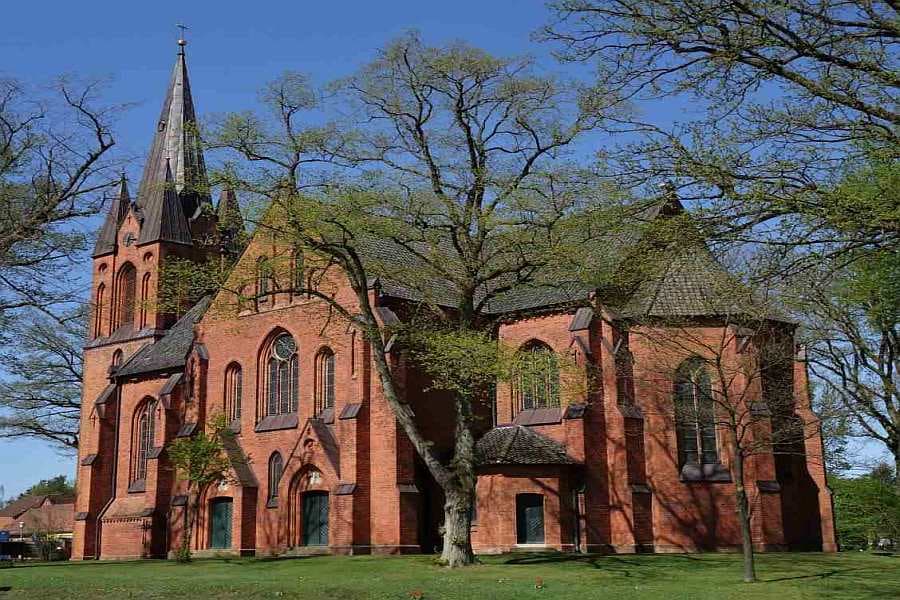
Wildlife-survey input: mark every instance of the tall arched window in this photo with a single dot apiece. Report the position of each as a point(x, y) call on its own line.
point(537, 379)
point(695, 420)
point(324, 384)
point(144, 433)
point(145, 298)
point(125, 291)
point(99, 308)
point(233, 392)
point(282, 368)
point(276, 467)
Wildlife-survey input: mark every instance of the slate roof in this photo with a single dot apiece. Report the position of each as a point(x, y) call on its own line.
point(328, 442)
point(106, 239)
point(606, 251)
point(174, 184)
point(518, 445)
point(239, 462)
point(17, 507)
point(169, 352)
point(693, 284)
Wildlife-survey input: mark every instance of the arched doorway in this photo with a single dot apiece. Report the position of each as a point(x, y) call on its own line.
point(314, 530)
point(220, 511)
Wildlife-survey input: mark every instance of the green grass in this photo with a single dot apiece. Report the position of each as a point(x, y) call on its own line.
point(782, 577)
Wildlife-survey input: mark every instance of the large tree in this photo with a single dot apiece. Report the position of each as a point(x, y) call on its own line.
point(454, 190)
point(785, 95)
point(852, 318)
point(54, 170)
point(40, 392)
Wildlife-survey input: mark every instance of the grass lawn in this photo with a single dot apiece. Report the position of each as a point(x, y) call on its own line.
point(783, 577)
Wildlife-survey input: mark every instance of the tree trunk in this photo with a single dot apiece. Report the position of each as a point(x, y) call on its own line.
point(457, 550)
point(743, 506)
point(192, 507)
point(897, 470)
point(461, 493)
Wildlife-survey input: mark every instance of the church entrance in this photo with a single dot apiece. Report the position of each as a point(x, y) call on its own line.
point(315, 519)
point(220, 523)
point(530, 519)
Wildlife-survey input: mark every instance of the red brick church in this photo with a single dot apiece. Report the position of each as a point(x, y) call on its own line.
point(319, 463)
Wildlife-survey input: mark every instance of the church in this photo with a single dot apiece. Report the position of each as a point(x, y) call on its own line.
point(318, 461)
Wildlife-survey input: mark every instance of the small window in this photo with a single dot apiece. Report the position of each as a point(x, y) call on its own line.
point(353, 353)
point(233, 392)
point(695, 420)
point(145, 298)
point(276, 467)
point(324, 385)
point(263, 277)
point(298, 272)
point(529, 519)
point(116, 361)
point(537, 381)
point(99, 308)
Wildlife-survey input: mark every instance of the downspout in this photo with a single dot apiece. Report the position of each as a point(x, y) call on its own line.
point(115, 465)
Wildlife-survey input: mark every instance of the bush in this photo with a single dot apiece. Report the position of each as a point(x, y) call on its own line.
point(183, 555)
point(866, 509)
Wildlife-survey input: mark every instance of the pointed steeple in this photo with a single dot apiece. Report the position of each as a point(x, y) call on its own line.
point(169, 223)
point(230, 224)
point(176, 148)
point(106, 239)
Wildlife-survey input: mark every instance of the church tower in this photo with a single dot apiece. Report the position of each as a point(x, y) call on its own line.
point(171, 217)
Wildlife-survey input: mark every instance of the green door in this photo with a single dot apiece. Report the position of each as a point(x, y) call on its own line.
point(315, 519)
point(220, 523)
point(530, 519)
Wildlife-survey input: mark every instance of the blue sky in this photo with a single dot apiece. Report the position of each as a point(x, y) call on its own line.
point(234, 47)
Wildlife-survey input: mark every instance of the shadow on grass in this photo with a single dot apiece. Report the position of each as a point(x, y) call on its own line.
point(823, 575)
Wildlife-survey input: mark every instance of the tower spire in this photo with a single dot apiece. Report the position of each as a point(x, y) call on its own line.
point(118, 208)
point(176, 147)
point(232, 234)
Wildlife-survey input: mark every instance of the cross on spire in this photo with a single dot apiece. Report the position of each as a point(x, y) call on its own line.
point(182, 41)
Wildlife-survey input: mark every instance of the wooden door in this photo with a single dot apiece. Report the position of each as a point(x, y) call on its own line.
point(315, 519)
point(220, 523)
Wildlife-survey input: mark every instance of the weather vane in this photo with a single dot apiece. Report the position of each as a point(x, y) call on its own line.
point(181, 39)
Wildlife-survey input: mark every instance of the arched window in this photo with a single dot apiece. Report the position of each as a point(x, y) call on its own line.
point(695, 420)
point(233, 392)
point(116, 361)
point(324, 384)
point(144, 434)
point(537, 379)
point(99, 308)
point(125, 290)
point(276, 467)
point(145, 298)
point(282, 371)
point(263, 277)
